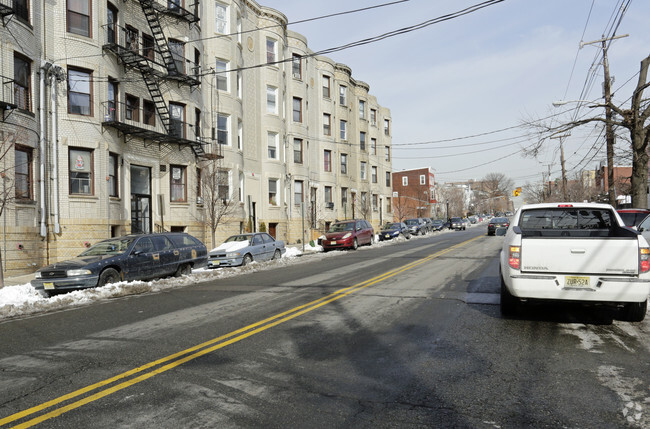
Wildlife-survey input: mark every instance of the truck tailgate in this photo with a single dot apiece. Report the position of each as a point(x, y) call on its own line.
point(585, 256)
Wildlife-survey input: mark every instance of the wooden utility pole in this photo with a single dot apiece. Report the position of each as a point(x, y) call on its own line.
point(560, 137)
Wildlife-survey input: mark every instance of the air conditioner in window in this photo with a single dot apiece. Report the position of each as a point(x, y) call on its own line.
point(329, 205)
point(199, 200)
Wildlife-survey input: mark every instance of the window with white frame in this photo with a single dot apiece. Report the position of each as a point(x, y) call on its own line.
point(240, 89)
point(271, 50)
point(241, 187)
point(298, 192)
point(223, 184)
point(326, 86)
point(327, 124)
point(273, 192)
point(362, 140)
point(221, 74)
point(343, 126)
point(373, 117)
point(240, 135)
point(386, 127)
point(388, 178)
point(271, 99)
point(297, 109)
point(296, 66)
point(222, 129)
point(362, 109)
point(423, 179)
point(178, 183)
point(373, 174)
point(375, 202)
point(343, 95)
point(405, 181)
point(328, 194)
point(363, 170)
point(344, 163)
point(221, 22)
point(373, 146)
point(327, 160)
point(81, 171)
point(272, 139)
point(344, 197)
point(297, 151)
point(387, 149)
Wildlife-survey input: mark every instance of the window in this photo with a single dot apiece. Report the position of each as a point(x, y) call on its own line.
point(297, 151)
point(362, 140)
point(271, 100)
point(405, 181)
point(132, 107)
point(327, 124)
point(328, 194)
point(112, 175)
point(79, 17)
point(344, 163)
point(344, 196)
point(271, 51)
point(177, 120)
point(221, 73)
point(373, 117)
point(223, 185)
point(327, 160)
point(197, 123)
point(388, 178)
point(222, 129)
point(373, 174)
point(297, 192)
point(296, 66)
point(240, 135)
point(111, 24)
point(199, 186)
point(22, 78)
point(363, 170)
point(273, 192)
point(343, 127)
point(111, 113)
point(131, 39)
point(221, 22)
point(389, 205)
point(375, 202)
point(148, 113)
point(240, 88)
point(297, 109)
point(343, 95)
point(148, 47)
point(423, 179)
point(241, 187)
point(177, 183)
point(373, 146)
point(386, 127)
point(326, 86)
point(21, 9)
point(177, 49)
point(272, 143)
point(81, 168)
point(79, 92)
point(362, 109)
point(387, 149)
point(23, 173)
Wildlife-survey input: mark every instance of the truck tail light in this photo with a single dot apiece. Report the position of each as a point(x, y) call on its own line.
point(515, 256)
point(644, 258)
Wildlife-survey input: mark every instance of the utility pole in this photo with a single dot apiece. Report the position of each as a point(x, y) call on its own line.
point(609, 131)
point(564, 194)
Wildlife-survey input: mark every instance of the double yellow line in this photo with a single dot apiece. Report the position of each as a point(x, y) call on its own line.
point(172, 361)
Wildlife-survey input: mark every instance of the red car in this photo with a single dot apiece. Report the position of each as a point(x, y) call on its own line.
point(348, 234)
point(633, 217)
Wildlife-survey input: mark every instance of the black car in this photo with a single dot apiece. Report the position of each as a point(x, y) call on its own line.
point(131, 257)
point(497, 222)
point(438, 224)
point(417, 226)
point(393, 230)
point(456, 223)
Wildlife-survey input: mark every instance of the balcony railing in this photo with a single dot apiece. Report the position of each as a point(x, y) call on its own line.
point(7, 95)
point(18, 8)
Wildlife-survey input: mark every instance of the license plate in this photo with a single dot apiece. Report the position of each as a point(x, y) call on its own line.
point(48, 285)
point(332, 242)
point(214, 263)
point(574, 281)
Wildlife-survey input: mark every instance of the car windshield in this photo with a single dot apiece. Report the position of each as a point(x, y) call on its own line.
point(437, 222)
point(340, 227)
point(109, 247)
point(238, 238)
point(455, 219)
point(411, 222)
point(632, 218)
point(391, 226)
point(499, 220)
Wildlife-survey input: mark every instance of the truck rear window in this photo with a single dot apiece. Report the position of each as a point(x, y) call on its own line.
point(575, 222)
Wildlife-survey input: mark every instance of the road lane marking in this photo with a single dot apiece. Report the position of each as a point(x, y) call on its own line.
point(176, 359)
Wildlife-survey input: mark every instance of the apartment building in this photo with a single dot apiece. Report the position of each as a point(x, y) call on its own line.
point(414, 194)
point(138, 116)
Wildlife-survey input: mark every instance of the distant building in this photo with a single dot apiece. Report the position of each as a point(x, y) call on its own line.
point(414, 193)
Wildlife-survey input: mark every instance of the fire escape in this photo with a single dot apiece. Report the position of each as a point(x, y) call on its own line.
point(155, 62)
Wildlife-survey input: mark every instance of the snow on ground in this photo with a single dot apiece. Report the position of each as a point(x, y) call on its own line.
point(24, 300)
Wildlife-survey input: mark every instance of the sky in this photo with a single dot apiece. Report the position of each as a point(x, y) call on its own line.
point(484, 74)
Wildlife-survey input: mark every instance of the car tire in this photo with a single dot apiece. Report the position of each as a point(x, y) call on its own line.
point(183, 270)
point(276, 255)
point(509, 303)
point(355, 244)
point(46, 293)
point(408, 237)
point(634, 311)
point(372, 240)
point(247, 259)
point(108, 276)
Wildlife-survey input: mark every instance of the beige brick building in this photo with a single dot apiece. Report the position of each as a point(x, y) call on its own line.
point(114, 114)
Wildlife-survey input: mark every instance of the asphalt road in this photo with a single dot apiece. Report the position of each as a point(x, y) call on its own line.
point(404, 335)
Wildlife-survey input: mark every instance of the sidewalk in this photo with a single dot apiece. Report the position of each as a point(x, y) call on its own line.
point(18, 280)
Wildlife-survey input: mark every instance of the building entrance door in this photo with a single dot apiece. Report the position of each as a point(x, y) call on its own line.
point(140, 199)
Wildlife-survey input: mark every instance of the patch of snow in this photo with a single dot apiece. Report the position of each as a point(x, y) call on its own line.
point(231, 246)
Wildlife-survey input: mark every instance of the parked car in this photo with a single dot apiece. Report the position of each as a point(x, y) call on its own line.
point(633, 217)
point(394, 230)
point(242, 249)
point(428, 223)
point(438, 224)
point(466, 222)
point(497, 222)
point(416, 225)
point(126, 258)
point(456, 223)
point(348, 234)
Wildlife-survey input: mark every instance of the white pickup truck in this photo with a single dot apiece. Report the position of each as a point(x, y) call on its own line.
point(575, 252)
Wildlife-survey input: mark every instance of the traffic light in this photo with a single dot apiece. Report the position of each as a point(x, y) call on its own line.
point(516, 192)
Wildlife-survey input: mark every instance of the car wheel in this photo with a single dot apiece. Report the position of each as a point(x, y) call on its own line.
point(183, 270)
point(277, 254)
point(407, 236)
point(109, 275)
point(372, 239)
point(634, 311)
point(355, 244)
point(247, 259)
point(508, 302)
point(47, 293)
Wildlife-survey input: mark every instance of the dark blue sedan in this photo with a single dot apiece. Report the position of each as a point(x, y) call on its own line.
point(393, 230)
point(132, 257)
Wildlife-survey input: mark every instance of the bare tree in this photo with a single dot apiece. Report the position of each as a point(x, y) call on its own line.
point(454, 197)
point(496, 184)
point(219, 202)
point(635, 120)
